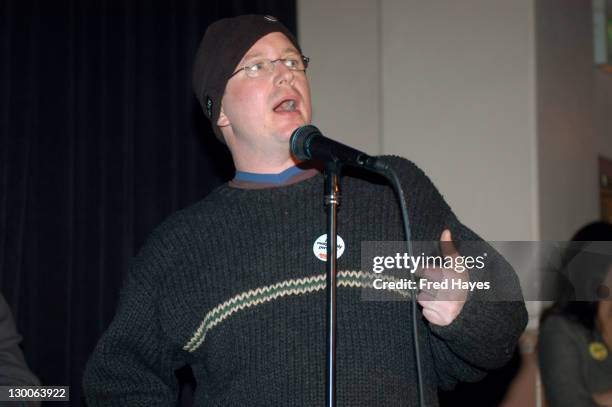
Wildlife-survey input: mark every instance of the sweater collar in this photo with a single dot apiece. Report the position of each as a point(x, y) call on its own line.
point(250, 180)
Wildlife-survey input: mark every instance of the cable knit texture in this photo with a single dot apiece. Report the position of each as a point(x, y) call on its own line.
point(231, 287)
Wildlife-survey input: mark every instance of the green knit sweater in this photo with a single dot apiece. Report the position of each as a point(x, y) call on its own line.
point(231, 286)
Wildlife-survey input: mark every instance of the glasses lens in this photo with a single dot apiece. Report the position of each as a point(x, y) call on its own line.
point(294, 63)
point(258, 68)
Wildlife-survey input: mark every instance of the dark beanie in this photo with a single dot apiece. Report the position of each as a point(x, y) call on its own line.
point(222, 47)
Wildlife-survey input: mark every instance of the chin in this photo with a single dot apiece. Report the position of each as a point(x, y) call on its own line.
point(288, 130)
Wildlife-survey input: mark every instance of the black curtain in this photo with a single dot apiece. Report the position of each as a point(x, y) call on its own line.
point(100, 140)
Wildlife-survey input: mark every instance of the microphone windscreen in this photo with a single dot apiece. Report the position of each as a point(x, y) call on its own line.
point(300, 140)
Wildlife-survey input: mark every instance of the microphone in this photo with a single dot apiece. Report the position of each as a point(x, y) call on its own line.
point(307, 143)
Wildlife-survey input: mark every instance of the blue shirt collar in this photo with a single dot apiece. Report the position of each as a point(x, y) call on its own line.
point(276, 179)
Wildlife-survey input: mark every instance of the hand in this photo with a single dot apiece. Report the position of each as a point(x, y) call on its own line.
point(441, 307)
point(603, 399)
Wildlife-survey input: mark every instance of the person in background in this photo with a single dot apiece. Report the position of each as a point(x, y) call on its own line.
point(13, 368)
point(576, 332)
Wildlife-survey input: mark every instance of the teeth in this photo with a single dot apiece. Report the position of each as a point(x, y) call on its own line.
point(287, 106)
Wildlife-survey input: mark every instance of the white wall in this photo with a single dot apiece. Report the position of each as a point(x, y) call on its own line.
point(342, 39)
point(458, 97)
point(446, 84)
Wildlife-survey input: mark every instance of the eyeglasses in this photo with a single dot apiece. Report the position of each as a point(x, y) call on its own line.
point(264, 67)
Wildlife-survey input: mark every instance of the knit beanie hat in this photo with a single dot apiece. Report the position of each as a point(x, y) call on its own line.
point(222, 47)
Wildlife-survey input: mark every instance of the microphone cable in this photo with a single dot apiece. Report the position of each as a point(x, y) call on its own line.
point(392, 177)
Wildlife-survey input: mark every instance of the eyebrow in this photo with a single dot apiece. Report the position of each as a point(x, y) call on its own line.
point(259, 54)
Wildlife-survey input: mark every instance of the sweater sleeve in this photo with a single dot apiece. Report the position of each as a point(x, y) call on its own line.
point(134, 363)
point(13, 368)
point(558, 354)
point(485, 333)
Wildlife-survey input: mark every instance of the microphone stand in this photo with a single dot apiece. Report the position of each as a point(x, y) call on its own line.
point(331, 200)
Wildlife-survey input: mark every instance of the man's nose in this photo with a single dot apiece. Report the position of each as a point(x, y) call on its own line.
point(282, 73)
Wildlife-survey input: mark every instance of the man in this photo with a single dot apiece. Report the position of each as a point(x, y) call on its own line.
point(234, 286)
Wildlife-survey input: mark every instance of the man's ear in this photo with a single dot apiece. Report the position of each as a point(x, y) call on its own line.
point(222, 121)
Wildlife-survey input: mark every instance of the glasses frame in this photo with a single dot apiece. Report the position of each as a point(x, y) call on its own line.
point(305, 59)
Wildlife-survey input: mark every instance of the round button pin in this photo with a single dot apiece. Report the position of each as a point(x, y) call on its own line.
point(598, 351)
point(320, 247)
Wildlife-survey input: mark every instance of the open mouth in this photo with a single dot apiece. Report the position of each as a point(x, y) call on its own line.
point(287, 105)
